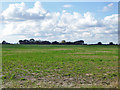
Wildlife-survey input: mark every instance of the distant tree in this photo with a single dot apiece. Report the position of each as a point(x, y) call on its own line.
point(63, 41)
point(4, 42)
point(21, 41)
point(69, 43)
point(45, 42)
point(32, 41)
point(99, 43)
point(80, 42)
point(26, 41)
point(111, 43)
point(55, 42)
point(38, 42)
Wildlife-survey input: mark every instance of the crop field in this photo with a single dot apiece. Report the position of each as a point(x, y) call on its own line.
point(60, 66)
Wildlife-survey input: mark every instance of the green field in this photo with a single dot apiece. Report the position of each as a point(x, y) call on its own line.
point(64, 66)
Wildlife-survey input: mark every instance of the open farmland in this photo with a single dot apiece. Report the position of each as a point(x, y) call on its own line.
point(65, 66)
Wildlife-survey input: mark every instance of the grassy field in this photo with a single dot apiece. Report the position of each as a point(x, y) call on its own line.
point(63, 66)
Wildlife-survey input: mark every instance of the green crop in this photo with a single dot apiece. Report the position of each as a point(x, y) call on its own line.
point(60, 66)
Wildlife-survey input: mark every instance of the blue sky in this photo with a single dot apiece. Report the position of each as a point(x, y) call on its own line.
point(100, 14)
point(81, 7)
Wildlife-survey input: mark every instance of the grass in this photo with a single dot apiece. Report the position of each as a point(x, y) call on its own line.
point(50, 66)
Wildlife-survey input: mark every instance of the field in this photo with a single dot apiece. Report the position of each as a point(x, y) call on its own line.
point(60, 66)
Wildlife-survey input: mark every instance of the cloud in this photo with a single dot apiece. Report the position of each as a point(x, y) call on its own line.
point(20, 22)
point(67, 6)
point(108, 7)
point(21, 12)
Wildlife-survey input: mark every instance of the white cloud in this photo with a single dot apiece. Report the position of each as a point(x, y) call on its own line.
point(21, 12)
point(25, 23)
point(37, 9)
point(108, 7)
point(67, 6)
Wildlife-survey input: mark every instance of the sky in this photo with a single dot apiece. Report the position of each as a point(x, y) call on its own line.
point(56, 21)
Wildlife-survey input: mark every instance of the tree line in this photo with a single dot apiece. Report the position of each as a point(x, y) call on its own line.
point(32, 41)
point(63, 42)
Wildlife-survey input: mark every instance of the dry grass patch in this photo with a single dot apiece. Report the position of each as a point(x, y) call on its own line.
point(98, 57)
point(26, 51)
point(80, 53)
point(103, 51)
point(59, 49)
point(7, 54)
